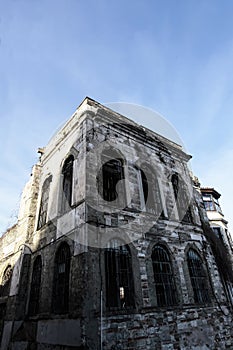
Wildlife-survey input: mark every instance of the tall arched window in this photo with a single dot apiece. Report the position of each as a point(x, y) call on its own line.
point(44, 203)
point(6, 281)
point(151, 191)
point(67, 183)
point(35, 287)
point(60, 301)
point(164, 278)
point(112, 173)
point(198, 277)
point(119, 277)
point(181, 198)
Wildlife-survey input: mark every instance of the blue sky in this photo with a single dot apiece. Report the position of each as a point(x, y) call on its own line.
point(173, 56)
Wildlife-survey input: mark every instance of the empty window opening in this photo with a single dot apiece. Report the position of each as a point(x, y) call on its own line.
point(67, 183)
point(44, 203)
point(181, 198)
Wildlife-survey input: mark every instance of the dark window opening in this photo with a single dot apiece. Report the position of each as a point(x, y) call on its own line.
point(217, 232)
point(181, 198)
point(198, 278)
point(35, 287)
point(60, 301)
point(44, 203)
point(6, 282)
point(67, 172)
point(112, 173)
point(164, 278)
point(119, 278)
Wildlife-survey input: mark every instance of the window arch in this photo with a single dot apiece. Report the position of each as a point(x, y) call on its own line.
point(119, 276)
point(60, 301)
point(6, 281)
point(44, 203)
point(67, 183)
point(198, 277)
point(151, 191)
point(112, 173)
point(35, 287)
point(181, 198)
point(163, 276)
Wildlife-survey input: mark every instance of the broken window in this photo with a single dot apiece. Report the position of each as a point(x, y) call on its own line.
point(112, 173)
point(44, 203)
point(60, 302)
point(6, 282)
point(181, 198)
point(151, 192)
point(67, 183)
point(198, 277)
point(119, 277)
point(163, 275)
point(35, 287)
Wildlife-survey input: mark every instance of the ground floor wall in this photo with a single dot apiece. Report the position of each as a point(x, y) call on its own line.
point(177, 329)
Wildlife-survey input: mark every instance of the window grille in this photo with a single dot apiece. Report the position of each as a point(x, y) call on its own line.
point(67, 172)
point(44, 203)
point(163, 275)
point(198, 278)
point(119, 278)
point(112, 173)
point(181, 198)
point(6, 282)
point(60, 301)
point(35, 287)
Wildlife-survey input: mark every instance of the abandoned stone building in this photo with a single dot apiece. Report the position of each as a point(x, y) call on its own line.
point(113, 248)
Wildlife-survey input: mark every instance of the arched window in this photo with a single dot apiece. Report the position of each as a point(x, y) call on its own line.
point(35, 287)
point(181, 198)
point(151, 192)
point(198, 277)
point(60, 301)
point(164, 278)
point(44, 203)
point(6, 281)
point(112, 173)
point(119, 277)
point(67, 183)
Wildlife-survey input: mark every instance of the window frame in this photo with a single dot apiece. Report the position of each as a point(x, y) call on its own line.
point(61, 279)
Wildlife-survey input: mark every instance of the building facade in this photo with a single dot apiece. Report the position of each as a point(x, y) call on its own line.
point(112, 248)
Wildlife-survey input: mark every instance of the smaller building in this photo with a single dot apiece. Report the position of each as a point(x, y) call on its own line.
point(218, 223)
point(215, 215)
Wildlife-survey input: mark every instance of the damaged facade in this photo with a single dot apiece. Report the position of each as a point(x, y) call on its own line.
point(113, 246)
